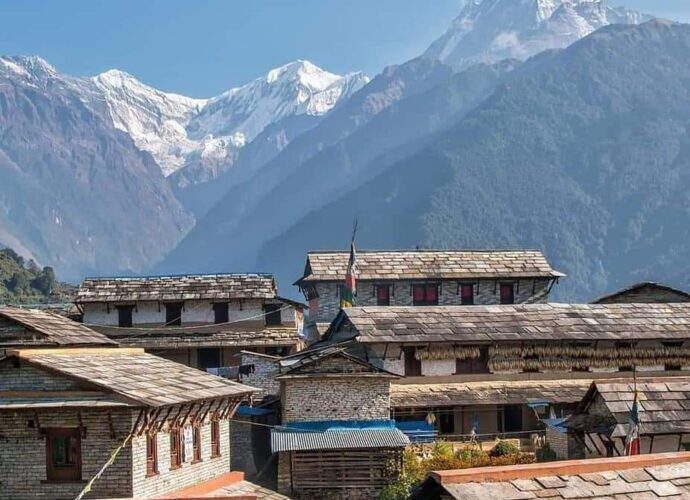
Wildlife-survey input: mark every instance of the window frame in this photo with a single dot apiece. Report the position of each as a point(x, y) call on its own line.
point(501, 287)
point(221, 313)
point(176, 451)
point(463, 298)
point(177, 321)
point(412, 365)
point(56, 473)
point(196, 443)
point(215, 437)
point(152, 454)
point(383, 301)
point(120, 311)
point(271, 312)
point(426, 287)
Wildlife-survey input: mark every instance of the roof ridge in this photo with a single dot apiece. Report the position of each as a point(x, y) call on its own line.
point(430, 250)
point(192, 275)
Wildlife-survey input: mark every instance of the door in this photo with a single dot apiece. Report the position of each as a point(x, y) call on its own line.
point(513, 418)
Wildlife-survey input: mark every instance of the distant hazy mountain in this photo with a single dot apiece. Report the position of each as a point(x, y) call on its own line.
point(207, 134)
point(75, 192)
point(491, 30)
point(585, 156)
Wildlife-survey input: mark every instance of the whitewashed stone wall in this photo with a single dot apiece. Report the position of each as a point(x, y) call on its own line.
point(438, 367)
point(194, 311)
point(347, 398)
point(188, 474)
point(487, 292)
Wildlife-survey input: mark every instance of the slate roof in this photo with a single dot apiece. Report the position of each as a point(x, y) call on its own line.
point(141, 378)
point(186, 287)
point(46, 328)
point(285, 440)
point(523, 322)
point(203, 336)
point(491, 392)
point(643, 477)
point(664, 405)
point(681, 295)
point(429, 264)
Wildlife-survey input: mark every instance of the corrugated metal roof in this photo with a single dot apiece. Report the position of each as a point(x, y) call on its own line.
point(282, 440)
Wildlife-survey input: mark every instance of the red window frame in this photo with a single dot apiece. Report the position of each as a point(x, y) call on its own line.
point(215, 438)
point(196, 442)
point(63, 454)
point(425, 295)
point(383, 295)
point(467, 294)
point(507, 293)
point(176, 449)
point(151, 454)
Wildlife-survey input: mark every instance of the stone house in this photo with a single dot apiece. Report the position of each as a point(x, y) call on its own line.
point(427, 278)
point(601, 423)
point(63, 412)
point(644, 292)
point(503, 369)
point(337, 439)
point(35, 328)
point(202, 321)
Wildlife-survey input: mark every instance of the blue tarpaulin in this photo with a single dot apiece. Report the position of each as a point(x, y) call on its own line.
point(419, 431)
point(252, 411)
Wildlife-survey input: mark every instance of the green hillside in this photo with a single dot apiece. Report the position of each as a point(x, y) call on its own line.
point(23, 282)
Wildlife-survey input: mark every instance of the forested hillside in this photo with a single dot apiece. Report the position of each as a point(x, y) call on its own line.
point(24, 282)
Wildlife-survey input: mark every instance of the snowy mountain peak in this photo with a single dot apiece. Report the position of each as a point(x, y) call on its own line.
point(492, 30)
point(27, 66)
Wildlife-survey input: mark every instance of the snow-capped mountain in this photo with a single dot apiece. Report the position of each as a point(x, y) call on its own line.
point(491, 30)
point(176, 129)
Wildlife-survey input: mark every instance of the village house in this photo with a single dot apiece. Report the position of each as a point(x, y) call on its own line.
point(64, 411)
point(202, 321)
point(336, 439)
point(35, 328)
point(648, 477)
point(427, 278)
point(646, 291)
point(501, 369)
point(601, 423)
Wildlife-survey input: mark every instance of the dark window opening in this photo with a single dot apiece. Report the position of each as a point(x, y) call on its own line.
point(173, 314)
point(124, 316)
point(176, 449)
point(467, 294)
point(513, 418)
point(220, 312)
point(215, 438)
point(151, 454)
point(383, 295)
point(277, 350)
point(273, 317)
point(63, 450)
point(446, 422)
point(474, 365)
point(425, 295)
point(208, 357)
point(507, 293)
point(413, 366)
point(196, 442)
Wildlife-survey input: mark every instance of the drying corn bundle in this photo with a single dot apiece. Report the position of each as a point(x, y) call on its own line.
point(447, 352)
point(563, 358)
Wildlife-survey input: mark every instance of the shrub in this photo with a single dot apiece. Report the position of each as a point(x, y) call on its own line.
point(546, 454)
point(504, 448)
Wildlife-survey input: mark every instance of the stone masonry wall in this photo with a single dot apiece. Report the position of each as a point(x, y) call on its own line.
point(346, 398)
point(23, 454)
point(487, 292)
point(188, 474)
point(28, 378)
point(265, 371)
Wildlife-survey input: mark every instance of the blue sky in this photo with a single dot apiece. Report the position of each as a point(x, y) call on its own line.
point(202, 47)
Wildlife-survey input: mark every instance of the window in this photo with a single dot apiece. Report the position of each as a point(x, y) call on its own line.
point(196, 436)
point(208, 357)
point(151, 454)
point(473, 365)
point(507, 294)
point(467, 294)
point(215, 438)
point(173, 314)
point(383, 295)
point(425, 295)
point(220, 312)
point(124, 316)
point(413, 366)
point(63, 454)
point(273, 314)
point(176, 449)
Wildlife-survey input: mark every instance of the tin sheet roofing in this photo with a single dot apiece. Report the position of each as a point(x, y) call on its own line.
point(525, 322)
point(133, 374)
point(430, 264)
point(187, 287)
point(47, 328)
point(286, 440)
